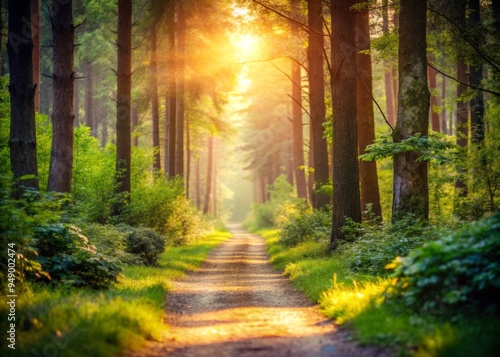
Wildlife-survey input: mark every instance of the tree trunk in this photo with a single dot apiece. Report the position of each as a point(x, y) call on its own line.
point(365, 117)
point(444, 120)
point(135, 125)
point(317, 99)
point(208, 189)
point(462, 114)
point(411, 192)
point(179, 117)
point(61, 154)
point(388, 80)
point(165, 142)
point(197, 184)
point(76, 104)
point(495, 7)
point(476, 77)
point(188, 156)
point(346, 196)
point(154, 100)
point(22, 92)
point(310, 179)
point(89, 98)
point(297, 127)
point(35, 33)
point(434, 116)
point(123, 100)
point(172, 98)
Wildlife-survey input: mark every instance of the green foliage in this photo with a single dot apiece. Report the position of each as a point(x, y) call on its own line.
point(93, 178)
point(143, 242)
point(18, 220)
point(303, 224)
point(372, 246)
point(65, 253)
point(267, 215)
point(459, 272)
point(4, 125)
point(160, 203)
point(436, 147)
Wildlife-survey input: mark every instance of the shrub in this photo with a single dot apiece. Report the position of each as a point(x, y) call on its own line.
point(459, 272)
point(304, 224)
point(185, 224)
point(144, 242)
point(67, 256)
point(109, 240)
point(372, 245)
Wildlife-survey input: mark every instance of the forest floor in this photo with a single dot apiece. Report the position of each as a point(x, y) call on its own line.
point(236, 304)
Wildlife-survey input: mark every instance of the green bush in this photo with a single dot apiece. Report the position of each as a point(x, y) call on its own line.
point(371, 246)
point(145, 243)
point(303, 224)
point(459, 272)
point(185, 224)
point(65, 253)
point(109, 240)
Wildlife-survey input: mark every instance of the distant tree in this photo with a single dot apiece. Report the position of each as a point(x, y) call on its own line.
point(22, 93)
point(388, 79)
point(123, 97)
point(153, 66)
point(35, 33)
point(61, 154)
point(297, 128)
point(208, 189)
point(411, 191)
point(346, 194)
point(368, 175)
point(315, 58)
point(180, 64)
point(171, 90)
point(89, 97)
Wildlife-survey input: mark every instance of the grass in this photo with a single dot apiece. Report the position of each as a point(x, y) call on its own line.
point(54, 321)
point(357, 301)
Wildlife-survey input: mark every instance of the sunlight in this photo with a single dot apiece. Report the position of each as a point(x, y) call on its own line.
point(246, 45)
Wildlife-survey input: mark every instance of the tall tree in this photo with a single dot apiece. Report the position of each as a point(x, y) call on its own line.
point(476, 77)
point(434, 116)
point(61, 154)
point(208, 189)
point(317, 99)
point(297, 128)
point(22, 93)
point(411, 192)
point(123, 97)
point(180, 63)
point(171, 90)
point(346, 196)
point(388, 80)
point(89, 97)
point(35, 34)
point(154, 99)
point(368, 175)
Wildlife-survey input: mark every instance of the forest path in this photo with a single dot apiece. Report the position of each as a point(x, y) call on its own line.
point(237, 305)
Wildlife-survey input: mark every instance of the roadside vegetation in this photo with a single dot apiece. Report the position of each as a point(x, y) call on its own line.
point(413, 288)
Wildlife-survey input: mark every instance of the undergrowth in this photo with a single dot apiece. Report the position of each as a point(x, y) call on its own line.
point(82, 322)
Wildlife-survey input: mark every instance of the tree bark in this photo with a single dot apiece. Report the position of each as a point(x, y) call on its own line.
point(388, 81)
point(476, 77)
point(444, 123)
point(411, 192)
point(317, 99)
point(188, 156)
point(61, 154)
point(22, 92)
point(165, 142)
point(346, 195)
point(89, 97)
point(197, 184)
point(123, 102)
point(135, 125)
point(179, 116)
point(76, 104)
point(208, 188)
point(365, 116)
point(35, 33)
point(297, 127)
point(171, 92)
point(435, 125)
point(154, 100)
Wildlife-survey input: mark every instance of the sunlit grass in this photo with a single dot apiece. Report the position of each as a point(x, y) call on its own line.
point(78, 322)
point(357, 301)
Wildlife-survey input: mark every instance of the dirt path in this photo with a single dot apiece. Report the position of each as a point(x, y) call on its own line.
point(237, 305)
